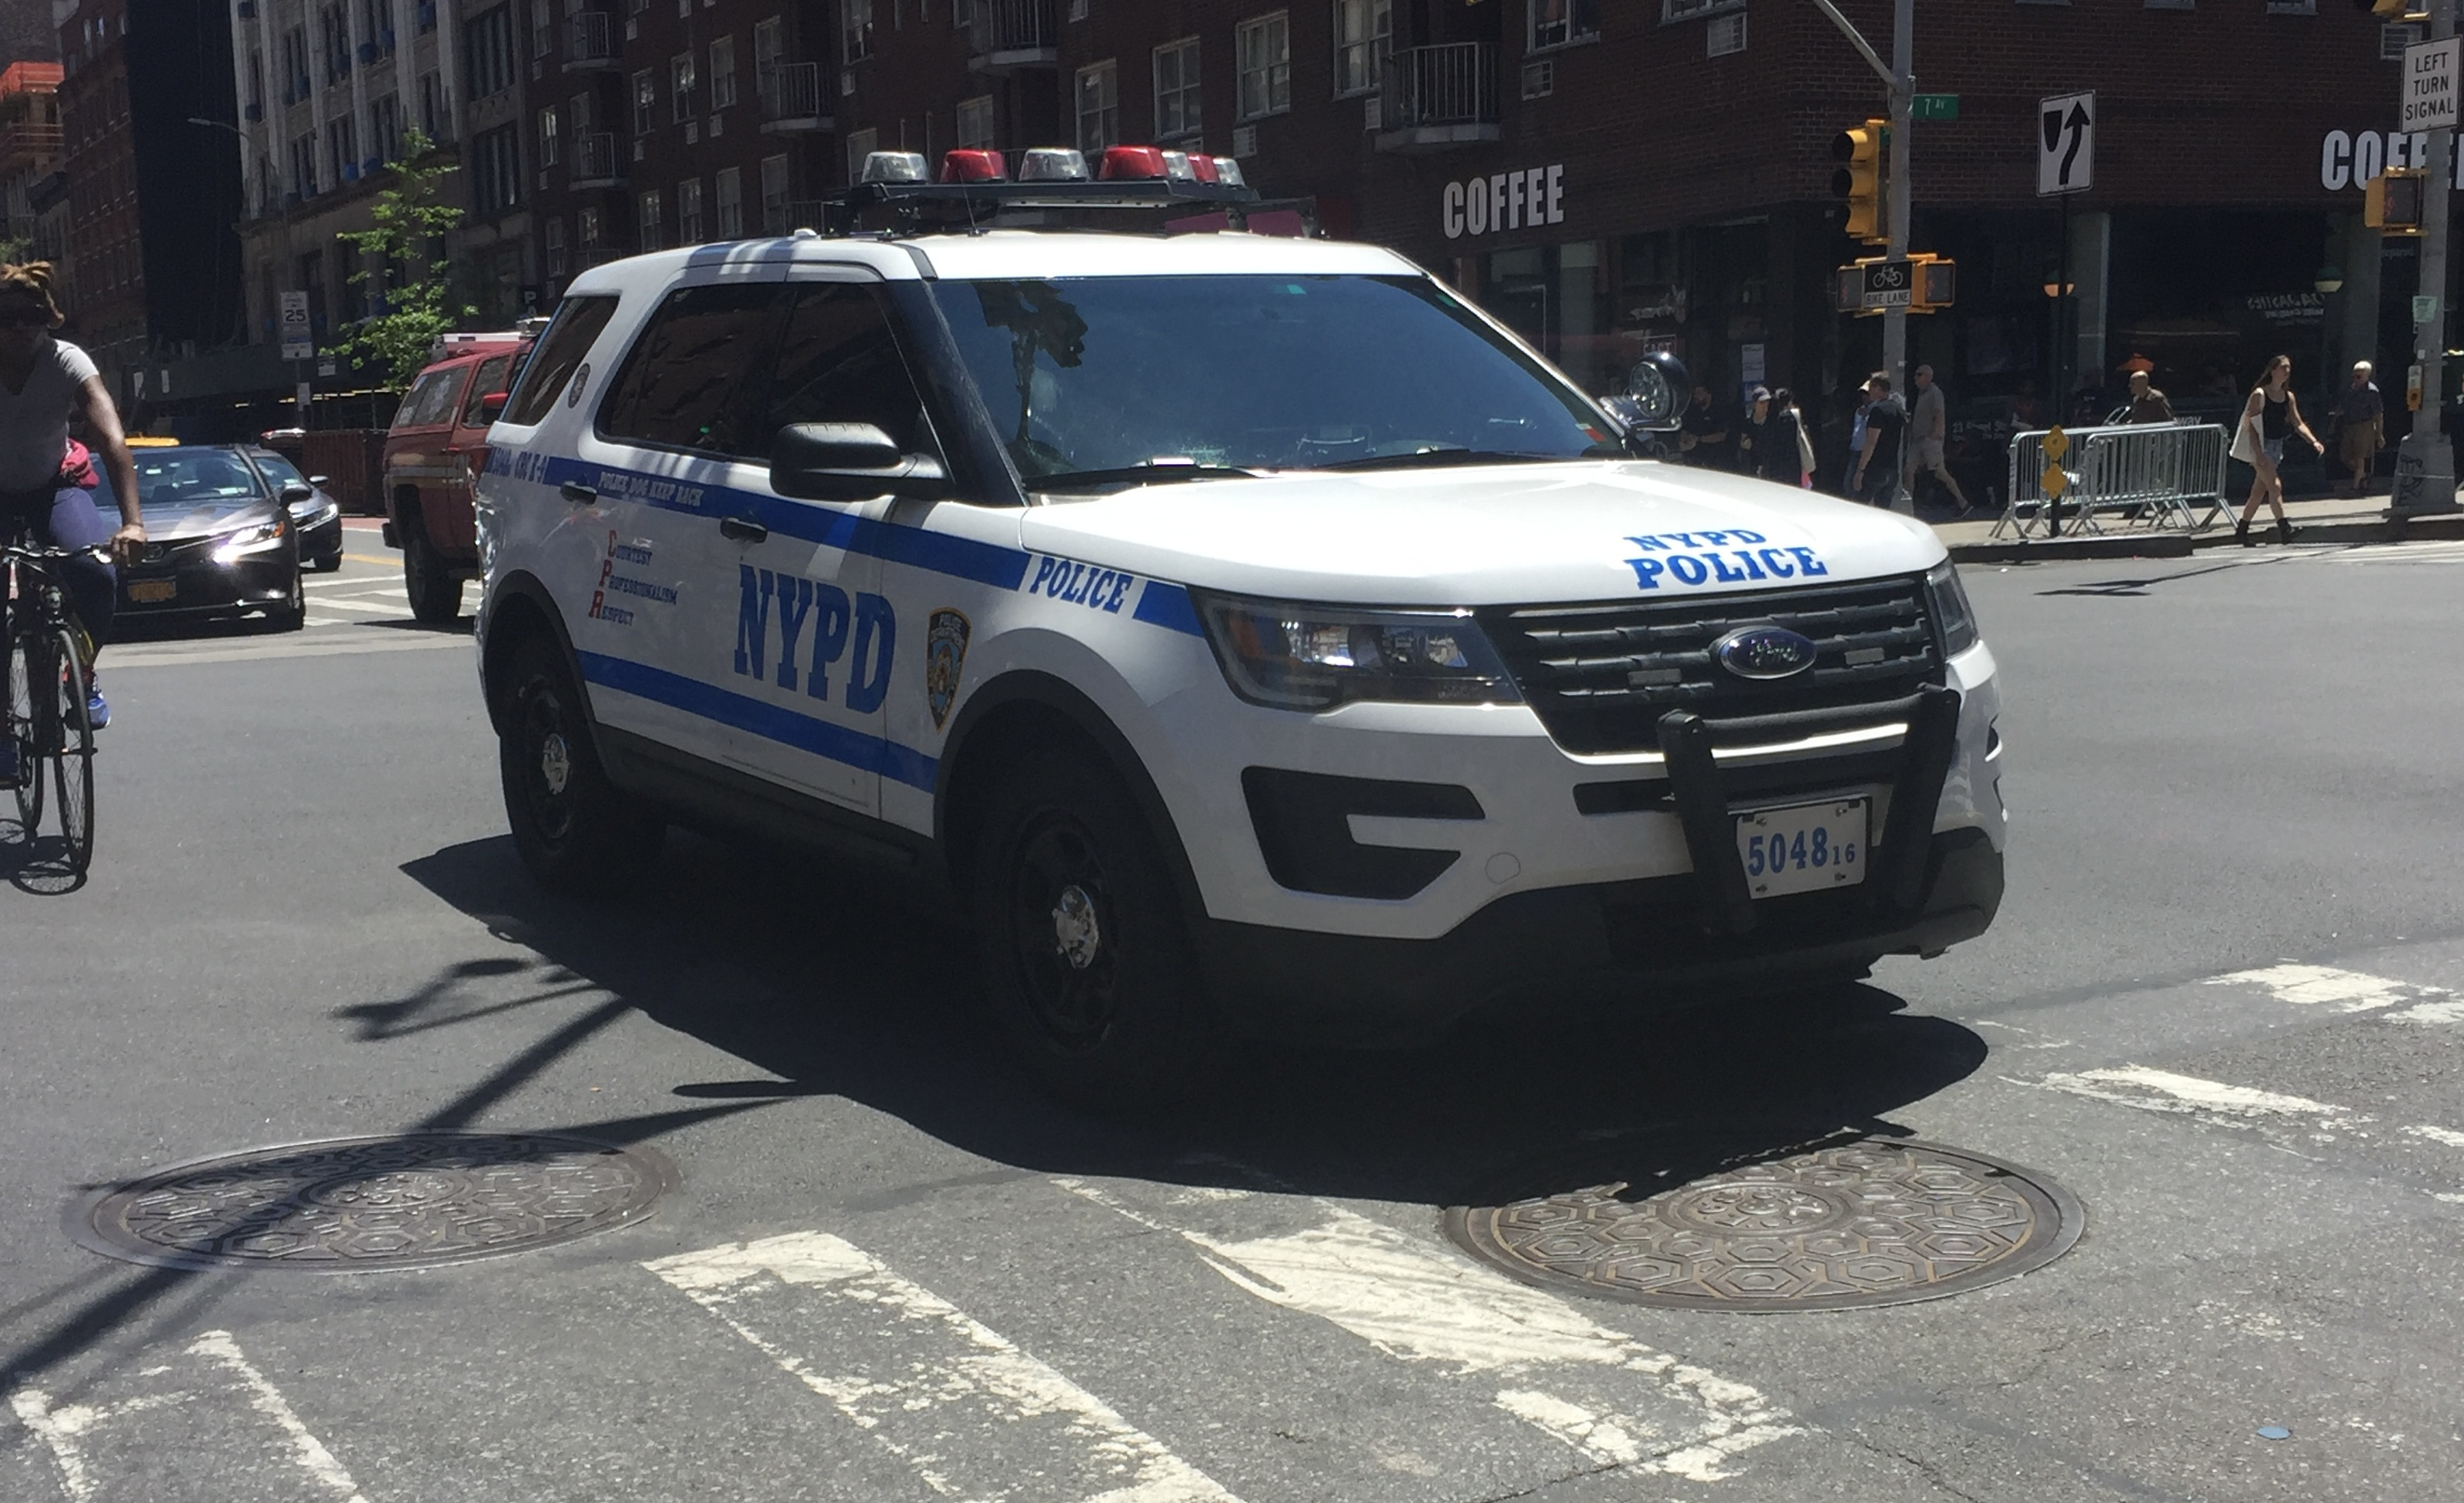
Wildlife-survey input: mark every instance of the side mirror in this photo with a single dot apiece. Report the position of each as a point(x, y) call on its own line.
point(492, 407)
point(849, 461)
point(294, 491)
point(316, 480)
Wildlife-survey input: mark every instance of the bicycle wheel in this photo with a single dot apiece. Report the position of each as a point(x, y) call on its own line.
point(23, 726)
point(73, 755)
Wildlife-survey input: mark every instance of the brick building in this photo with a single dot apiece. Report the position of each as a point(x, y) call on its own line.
point(34, 186)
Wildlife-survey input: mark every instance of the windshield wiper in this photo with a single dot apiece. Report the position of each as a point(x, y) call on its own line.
point(1136, 475)
point(1431, 458)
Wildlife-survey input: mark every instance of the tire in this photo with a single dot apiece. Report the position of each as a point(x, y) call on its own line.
point(1083, 948)
point(24, 720)
point(332, 564)
point(293, 615)
point(435, 594)
point(576, 833)
point(72, 757)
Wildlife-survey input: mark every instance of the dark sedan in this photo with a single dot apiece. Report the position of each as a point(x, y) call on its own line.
point(317, 516)
point(220, 540)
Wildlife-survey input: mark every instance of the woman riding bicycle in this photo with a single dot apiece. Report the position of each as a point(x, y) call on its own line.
point(46, 483)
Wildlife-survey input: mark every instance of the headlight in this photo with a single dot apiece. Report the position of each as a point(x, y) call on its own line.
point(1949, 605)
point(256, 539)
point(1316, 657)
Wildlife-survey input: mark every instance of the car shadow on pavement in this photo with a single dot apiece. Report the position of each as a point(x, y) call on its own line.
point(827, 984)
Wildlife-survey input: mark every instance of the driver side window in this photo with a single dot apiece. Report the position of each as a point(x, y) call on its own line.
point(839, 362)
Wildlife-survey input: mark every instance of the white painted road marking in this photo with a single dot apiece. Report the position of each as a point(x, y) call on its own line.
point(2349, 991)
point(913, 1371)
point(1423, 1302)
point(128, 659)
point(307, 1450)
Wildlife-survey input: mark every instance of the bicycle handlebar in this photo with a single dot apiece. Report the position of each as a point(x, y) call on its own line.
point(24, 551)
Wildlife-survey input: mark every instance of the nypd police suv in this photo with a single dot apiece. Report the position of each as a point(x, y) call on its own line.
point(1251, 631)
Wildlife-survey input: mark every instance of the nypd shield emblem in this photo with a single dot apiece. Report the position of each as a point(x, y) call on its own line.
point(945, 658)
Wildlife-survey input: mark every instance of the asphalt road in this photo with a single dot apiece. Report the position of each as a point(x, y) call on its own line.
point(2221, 1007)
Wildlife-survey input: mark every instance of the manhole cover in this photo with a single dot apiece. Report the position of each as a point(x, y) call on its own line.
point(1860, 1223)
point(360, 1205)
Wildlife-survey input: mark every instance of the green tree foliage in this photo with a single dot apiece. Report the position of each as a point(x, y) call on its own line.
point(408, 238)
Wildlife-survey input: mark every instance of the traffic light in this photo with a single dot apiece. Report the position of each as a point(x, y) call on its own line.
point(2392, 201)
point(2391, 10)
point(1862, 180)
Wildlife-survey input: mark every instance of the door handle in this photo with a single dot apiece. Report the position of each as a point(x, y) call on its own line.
point(744, 529)
point(579, 494)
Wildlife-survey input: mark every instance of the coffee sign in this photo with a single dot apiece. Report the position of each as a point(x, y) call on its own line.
point(1521, 199)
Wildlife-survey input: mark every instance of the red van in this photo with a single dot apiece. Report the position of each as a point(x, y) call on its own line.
point(437, 448)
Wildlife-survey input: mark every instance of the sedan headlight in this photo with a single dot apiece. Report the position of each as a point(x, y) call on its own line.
point(1316, 657)
point(1948, 601)
point(254, 538)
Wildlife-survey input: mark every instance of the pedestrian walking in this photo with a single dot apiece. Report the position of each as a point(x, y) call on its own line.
point(1877, 478)
point(2268, 418)
point(2148, 405)
point(1772, 430)
point(2361, 427)
point(1848, 483)
point(1784, 404)
point(1702, 432)
point(1928, 428)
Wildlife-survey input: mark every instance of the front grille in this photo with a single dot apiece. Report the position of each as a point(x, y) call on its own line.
point(1600, 676)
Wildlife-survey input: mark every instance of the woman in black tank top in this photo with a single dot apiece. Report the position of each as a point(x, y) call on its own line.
point(2269, 418)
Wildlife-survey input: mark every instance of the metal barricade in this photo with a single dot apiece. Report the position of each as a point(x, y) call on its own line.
point(2158, 474)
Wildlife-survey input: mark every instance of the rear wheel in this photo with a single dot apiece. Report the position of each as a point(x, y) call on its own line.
point(435, 592)
point(575, 831)
point(73, 750)
point(25, 711)
point(1085, 957)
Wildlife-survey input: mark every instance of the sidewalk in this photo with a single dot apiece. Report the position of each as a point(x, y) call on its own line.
point(2319, 519)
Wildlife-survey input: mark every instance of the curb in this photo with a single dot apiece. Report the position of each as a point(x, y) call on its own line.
point(2177, 545)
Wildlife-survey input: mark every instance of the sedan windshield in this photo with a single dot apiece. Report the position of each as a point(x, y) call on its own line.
point(1105, 374)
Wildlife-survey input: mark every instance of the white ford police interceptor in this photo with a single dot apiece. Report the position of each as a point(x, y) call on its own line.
point(1252, 631)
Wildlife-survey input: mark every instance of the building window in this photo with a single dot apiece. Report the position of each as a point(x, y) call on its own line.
point(256, 86)
point(386, 116)
point(489, 40)
point(1672, 12)
point(543, 31)
point(860, 145)
point(1554, 23)
point(680, 81)
point(585, 225)
point(1364, 37)
point(727, 195)
point(722, 72)
point(341, 149)
point(496, 171)
point(303, 166)
point(774, 195)
point(1175, 90)
point(1099, 106)
point(1265, 48)
point(976, 123)
point(648, 219)
point(549, 153)
point(552, 239)
point(689, 213)
point(646, 99)
point(859, 30)
point(432, 119)
point(584, 115)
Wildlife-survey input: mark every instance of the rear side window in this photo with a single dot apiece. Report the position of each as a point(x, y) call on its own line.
point(680, 386)
point(840, 363)
point(431, 398)
point(560, 351)
point(491, 379)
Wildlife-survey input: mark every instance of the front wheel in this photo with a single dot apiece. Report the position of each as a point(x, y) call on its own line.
point(72, 757)
point(1081, 941)
point(25, 710)
point(575, 831)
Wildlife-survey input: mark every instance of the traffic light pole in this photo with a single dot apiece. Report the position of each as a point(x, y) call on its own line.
point(1903, 82)
point(2425, 461)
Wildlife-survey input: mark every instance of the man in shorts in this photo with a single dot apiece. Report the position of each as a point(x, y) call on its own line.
point(2361, 428)
point(1927, 426)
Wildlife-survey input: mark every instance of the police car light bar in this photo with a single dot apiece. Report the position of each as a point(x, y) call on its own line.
point(974, 180)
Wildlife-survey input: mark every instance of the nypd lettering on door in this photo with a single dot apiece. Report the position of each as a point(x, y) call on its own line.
point(862, 632)
point(1525, 199)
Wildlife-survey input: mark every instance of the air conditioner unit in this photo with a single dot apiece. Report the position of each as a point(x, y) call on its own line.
point(1372, 112)
point(1244, 141)
point(1540, 78)
point(1725, 36)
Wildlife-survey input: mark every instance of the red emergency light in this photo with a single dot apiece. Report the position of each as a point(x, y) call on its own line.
point(1131, 162)
point(974, 165)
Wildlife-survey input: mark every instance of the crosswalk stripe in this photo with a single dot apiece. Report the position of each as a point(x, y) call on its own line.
point(2300, 985)
point(328, 602)
point(912, 1369)
point(1420, 1302)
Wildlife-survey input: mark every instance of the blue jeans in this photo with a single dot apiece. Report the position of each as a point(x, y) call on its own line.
point(67, 518)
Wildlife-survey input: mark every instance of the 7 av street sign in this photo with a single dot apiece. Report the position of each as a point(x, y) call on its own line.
point(2065, 144)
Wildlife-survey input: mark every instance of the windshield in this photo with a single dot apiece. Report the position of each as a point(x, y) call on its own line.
point(1093, 373)
point(184, 478)
point(278, 469)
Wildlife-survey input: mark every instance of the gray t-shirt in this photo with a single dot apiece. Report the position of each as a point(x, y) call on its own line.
point(1929, 415)
point(34, 422)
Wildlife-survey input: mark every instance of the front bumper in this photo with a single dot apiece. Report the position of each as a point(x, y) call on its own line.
point(1619, 946)
point(260, 582)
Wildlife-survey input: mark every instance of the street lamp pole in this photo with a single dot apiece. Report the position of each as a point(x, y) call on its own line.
point(1903, 82)
point(2425, 460)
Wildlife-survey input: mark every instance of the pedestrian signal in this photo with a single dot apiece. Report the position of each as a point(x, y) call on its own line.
point(1862, 180)
point(2392, 201)
point(2391, 10)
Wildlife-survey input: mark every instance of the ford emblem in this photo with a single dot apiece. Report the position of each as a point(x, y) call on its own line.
point(1765, 652)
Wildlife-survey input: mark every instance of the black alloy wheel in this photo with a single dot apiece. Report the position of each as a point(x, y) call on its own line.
point(1082, 947)
point(574, 830)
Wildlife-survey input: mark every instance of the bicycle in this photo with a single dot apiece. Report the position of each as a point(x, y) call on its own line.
point(48, 680)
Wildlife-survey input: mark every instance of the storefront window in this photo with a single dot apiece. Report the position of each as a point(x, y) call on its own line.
point(1553, 296)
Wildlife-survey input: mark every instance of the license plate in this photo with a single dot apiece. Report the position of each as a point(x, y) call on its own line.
point(1803, 848)
point(152, 591)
